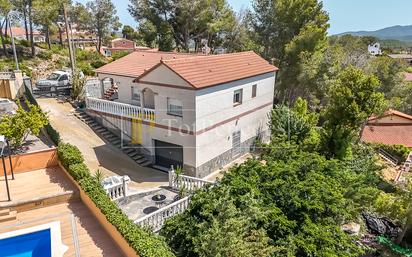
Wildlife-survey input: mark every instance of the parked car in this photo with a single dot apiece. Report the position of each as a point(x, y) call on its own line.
point(56, 79)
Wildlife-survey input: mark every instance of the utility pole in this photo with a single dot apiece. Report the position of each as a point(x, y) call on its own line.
point(69, 39)
point(14, 47)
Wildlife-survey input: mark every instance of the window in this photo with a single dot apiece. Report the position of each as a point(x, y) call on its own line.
point(63, 78)
point(136, 95)
point(254, 88)
point(237, 96)
point(174, 107)
point(236, 145)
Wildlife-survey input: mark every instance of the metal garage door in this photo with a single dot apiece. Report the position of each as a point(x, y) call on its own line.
point(167, 154)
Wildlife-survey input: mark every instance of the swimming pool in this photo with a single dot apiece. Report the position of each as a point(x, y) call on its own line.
point(39, 241)
point(37, 244)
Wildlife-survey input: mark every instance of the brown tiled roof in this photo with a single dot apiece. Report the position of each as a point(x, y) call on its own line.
point(210, 70)
point(390, 135)
point(391, 112)
point(136, 63)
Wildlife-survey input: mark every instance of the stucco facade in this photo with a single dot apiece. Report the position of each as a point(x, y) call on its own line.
point(217, 123)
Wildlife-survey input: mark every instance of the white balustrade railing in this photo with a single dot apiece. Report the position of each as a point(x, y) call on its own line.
point(6, 75)
point(188, 183)
point(117, 192)
point(120, 109)
point(157, 219)
point(116, 187)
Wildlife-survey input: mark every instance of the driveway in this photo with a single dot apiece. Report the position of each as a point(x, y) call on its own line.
point(98, 154)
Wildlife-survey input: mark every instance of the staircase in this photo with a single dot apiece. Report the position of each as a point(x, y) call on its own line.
point(388, 158)
point(7, 215)
point(113, 139)
point(110, 92)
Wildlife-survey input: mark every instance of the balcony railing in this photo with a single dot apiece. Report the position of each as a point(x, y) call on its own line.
point(157, 219)
point(120, 109)
point(190, 184)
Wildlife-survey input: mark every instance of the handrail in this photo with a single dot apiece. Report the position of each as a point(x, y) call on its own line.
point(388, 157)
point(157, 219)
point(189, 183)
point(120, 109)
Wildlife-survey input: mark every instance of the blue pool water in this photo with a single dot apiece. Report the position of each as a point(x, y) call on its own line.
point(36, 244)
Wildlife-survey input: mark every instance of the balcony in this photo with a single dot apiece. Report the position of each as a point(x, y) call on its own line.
point(120, 109)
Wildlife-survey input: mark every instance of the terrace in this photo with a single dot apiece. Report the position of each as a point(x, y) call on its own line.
point(47, 195)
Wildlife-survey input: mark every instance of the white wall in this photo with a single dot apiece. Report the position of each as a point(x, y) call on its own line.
point(187, 96)
point(202, 109)
point(215, 105)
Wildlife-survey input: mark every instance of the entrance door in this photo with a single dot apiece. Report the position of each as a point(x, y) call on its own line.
point(167, 154)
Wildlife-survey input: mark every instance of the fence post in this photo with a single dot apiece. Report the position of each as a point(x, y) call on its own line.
point(124, 187)
point(171, 176)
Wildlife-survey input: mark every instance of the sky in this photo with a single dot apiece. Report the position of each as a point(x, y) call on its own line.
point(345, 15)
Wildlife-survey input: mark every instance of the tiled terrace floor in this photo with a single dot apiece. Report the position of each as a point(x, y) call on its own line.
point(77, 223)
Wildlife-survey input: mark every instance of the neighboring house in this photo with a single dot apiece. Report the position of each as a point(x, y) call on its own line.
point(20, 34)
point(392, 128)
point(122, 45)
point(194, 111)
point(375, 49)
point(405, 57)
point(407, 76)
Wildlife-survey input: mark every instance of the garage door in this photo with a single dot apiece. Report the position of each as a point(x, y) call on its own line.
point(168, 154)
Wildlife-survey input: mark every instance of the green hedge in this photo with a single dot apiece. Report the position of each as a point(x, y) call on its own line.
point(400, 152)
point(145, 243)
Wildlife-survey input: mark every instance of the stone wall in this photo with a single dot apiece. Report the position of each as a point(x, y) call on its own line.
point(227, 157)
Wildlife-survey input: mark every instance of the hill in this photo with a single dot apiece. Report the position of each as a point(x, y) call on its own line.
point(401, 33)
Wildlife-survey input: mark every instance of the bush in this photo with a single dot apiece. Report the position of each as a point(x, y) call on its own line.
point(69, 155)
point(54, 135)
point(85, 68)
point(400, 152)
point(79, 171)
point(24, 43)
point(145, 243)
point(45, 55)
point(119, 54)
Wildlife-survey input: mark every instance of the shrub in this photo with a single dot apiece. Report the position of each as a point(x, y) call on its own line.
point(79, 171)
point(45, 55)
point(85, 68)
point(119, 54)
point(54, 135)
point(24, 43)
point(98, 63)
point(69, 155)
point(145, 243)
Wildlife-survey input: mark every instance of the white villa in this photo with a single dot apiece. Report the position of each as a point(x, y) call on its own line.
point(375, 49)
point(194, 111)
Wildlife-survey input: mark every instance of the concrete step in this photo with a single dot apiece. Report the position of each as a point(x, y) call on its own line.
point(4, 212)
point(132, 154)
point(146, 163)
point(111, 136)
point(139, 159)
point(115, 141)
point(128, 150)
point(106, 133)
point(10, 216)
point(100, 129)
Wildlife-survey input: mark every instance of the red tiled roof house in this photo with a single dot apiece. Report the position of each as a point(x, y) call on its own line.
point(122, 45)
point(195, 111)
point(392, 128)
